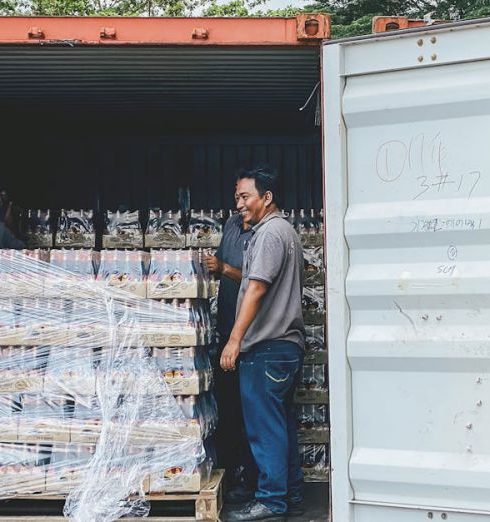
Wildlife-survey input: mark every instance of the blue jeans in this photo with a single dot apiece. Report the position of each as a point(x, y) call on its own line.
point(231, 442)
point(269, 373)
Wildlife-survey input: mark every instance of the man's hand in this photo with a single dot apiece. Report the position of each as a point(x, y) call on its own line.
point(229, 355)
point(213, 264)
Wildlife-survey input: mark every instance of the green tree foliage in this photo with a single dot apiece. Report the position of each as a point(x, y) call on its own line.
point(230, 8)
point(353, 17)
point(349, 17)
point(99, 7)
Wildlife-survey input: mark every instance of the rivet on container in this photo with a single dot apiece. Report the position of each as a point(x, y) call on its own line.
point(35, 32)
point(108, 33)
point(199, 33)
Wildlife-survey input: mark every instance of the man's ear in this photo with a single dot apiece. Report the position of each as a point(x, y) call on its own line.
point(268, 198)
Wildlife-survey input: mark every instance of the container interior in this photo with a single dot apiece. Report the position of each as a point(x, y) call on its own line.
point(102, 127)
point(109, 127)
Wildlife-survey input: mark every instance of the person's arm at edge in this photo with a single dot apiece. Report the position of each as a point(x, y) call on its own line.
point(248, 310)
point(10, 241)
point(218, 267)
point(231, 272)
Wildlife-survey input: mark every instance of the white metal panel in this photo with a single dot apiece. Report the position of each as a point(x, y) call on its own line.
point(340, 409)
point(408, 188)
point(418, 49)
point(374, 513)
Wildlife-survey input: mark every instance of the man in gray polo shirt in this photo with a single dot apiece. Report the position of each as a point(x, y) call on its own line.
point(268, 339)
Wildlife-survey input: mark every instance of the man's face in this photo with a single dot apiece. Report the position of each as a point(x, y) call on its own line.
point(249, 203)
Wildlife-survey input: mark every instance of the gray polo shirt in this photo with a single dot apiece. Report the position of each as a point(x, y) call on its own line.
point(274, 255)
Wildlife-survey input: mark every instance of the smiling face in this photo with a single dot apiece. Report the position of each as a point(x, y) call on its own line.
point(251, 205)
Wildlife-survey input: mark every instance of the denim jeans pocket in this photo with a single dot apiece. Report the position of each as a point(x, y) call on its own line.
point(279, 375)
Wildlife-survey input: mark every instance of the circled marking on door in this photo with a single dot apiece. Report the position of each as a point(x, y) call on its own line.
point(390, 160)
point(452, 252)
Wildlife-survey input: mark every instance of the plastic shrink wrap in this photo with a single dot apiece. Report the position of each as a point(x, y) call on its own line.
point(84, 401)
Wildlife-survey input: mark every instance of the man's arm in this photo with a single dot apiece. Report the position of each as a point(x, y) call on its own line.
point(248, 310)
point(231, 272)
point(220, 268)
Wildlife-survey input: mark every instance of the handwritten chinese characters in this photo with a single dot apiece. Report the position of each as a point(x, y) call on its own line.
point(438, 224)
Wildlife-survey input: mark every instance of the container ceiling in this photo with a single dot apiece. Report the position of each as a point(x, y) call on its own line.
point(156, 79)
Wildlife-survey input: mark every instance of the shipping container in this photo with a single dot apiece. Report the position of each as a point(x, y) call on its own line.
point(407, 193)
point(99, 113)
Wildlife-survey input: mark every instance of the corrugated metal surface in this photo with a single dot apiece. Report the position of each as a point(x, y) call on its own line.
point(106, 171)
point(408, 199)
point(157, 78)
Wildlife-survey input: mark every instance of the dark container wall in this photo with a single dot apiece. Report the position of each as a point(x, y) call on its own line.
point(104, 171)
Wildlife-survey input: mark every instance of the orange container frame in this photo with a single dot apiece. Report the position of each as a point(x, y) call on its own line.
point(305, 29)
point(383, 24)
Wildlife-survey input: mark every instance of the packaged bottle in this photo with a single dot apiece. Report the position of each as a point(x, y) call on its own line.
point(38, 232)
point(75, 229)
point(165, 229)
point(125, 270)
point(122, 230)
point(313, 266)
point(205, 228)
point(175, 274)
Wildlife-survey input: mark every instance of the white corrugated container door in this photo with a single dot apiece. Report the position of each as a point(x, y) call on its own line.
point(407, 159)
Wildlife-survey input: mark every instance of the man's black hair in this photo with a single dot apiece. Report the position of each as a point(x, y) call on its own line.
point(266, 179)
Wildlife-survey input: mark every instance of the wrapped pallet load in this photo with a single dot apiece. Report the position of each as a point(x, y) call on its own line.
point(86, 400)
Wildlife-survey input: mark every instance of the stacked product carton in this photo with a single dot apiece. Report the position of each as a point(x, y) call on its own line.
point(312, 393)
point(104, 395)
point(123, 229)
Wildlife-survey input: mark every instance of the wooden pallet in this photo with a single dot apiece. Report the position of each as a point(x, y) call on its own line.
point(208, 504)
